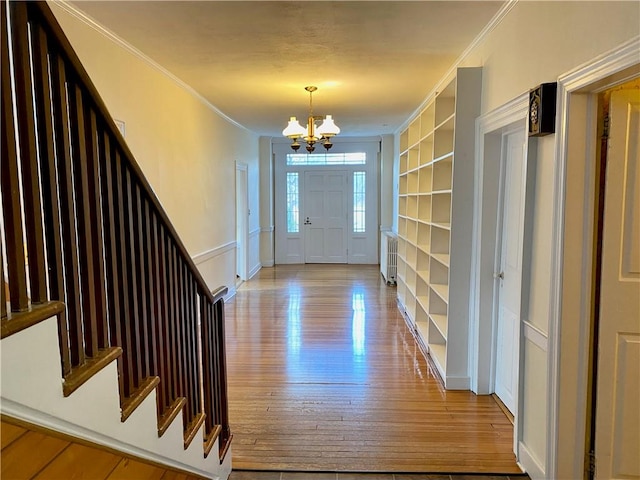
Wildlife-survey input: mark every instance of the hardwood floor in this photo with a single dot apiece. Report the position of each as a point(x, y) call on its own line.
point(324, 375)
point(32, 452)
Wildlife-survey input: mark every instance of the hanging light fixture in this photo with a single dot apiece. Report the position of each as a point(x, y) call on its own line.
point(313, 134)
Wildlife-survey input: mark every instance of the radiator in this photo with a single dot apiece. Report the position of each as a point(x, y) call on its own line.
point(389, 257)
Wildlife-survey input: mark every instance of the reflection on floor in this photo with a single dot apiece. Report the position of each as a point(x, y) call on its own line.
point(324, 375)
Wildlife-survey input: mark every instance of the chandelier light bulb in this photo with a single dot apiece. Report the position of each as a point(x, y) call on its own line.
point(293, 129)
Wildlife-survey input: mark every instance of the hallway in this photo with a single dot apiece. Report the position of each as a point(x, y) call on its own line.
point(324, 375)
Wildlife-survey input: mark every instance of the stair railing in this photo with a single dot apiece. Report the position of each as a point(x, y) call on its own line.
point(86, 239)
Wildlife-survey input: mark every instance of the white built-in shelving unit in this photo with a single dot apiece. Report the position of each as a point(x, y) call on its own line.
point(435, 213)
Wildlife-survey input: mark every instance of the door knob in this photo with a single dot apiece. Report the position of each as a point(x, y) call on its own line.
point(307, 222)
point(499, 275)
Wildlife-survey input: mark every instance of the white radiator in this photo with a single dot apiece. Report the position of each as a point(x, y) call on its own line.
point(389, 257)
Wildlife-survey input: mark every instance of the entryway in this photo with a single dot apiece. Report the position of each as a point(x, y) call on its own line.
point(326, 204)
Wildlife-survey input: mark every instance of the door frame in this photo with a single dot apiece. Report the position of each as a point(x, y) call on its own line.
point(524, 187)
point(370, 145)
point(486, 237)
point(242, 221)
point(572, 252)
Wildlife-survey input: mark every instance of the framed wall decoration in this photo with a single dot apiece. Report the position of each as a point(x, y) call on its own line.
point(542, 110)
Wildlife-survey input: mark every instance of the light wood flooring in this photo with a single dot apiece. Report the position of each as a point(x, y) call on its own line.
point(324, 375)
point(31, 452)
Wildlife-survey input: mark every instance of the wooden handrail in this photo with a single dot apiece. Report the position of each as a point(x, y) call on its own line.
point(98, 239)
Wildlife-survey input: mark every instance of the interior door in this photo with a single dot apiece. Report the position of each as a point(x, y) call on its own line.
point(325, 217)
point(509, 272)
point(242, 220)
point(617, 440)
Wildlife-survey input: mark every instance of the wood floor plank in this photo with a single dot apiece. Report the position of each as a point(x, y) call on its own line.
point(9, 433)
point(128, 469)
point(30, 454)
point(324, 374)
point(81, 462)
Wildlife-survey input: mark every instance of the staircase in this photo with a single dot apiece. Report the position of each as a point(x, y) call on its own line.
point(108, 331)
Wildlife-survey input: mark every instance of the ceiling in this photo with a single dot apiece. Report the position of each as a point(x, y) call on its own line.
point(374, 62)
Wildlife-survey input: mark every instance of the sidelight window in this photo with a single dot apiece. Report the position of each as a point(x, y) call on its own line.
point(293, 203)
point(359, 201)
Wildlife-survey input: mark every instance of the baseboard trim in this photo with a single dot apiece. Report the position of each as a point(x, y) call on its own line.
point(529, 462)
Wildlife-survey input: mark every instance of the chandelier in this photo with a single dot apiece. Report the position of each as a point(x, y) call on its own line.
point(313, 134)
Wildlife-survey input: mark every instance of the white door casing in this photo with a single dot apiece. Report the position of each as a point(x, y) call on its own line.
point(362, 247)
point(509, 267)
point(325, 216)
point(242, 221)
point(617, 440)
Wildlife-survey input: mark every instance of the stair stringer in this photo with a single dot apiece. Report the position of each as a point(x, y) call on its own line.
point(31, 390)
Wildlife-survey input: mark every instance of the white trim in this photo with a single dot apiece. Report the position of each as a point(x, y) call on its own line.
point(509, 113)
point(214, 252)
point(530, 463)
point(254, 270)
point(457, 383)
point(255, 232)
point(385, 229)
point(268, 264)
point(535, 335)
point(230, 294)
point(481, 37)
point(603, 66)
point(269, 229)
point(87, 20)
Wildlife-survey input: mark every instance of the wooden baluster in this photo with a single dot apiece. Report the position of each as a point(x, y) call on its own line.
point(3, 295)
point(206, 364)
point(133, 326)
point(171, 321)
point(152, 297)
point(124, 269)
point(181, 335)
point(83, 195)
point(165, 289)
point(10, 188)
point(137, 244)
point(67, 210)
point(197, 384)
point(101, 331)
point(193, 347)
point(50, 201)
point(221, 377)
point(160, 309)
point(32, 208)
point(177, 344)
point(113, 267)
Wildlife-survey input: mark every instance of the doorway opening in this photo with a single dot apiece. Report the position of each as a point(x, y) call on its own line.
point(505, 180)
point(574, 263)
point(242, 222)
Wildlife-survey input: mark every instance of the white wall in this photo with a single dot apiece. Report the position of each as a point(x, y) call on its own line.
point(186, 150)
point(267, 221)
point(537, 42)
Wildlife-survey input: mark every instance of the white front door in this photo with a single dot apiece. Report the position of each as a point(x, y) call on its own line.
point(617, 441)
point(509, 271)
point(325, 216)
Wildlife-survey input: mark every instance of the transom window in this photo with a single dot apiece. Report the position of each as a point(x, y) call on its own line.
point(356, 158)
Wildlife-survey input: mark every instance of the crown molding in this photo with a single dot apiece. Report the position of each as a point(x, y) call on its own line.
point(90, 22)
point(488, 28)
